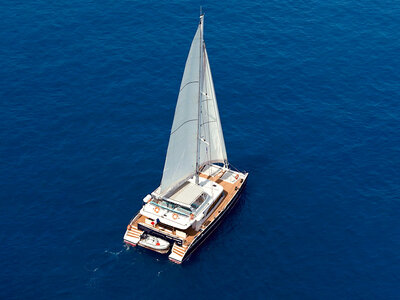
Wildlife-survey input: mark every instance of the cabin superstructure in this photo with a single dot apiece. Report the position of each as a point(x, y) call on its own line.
point(197, 186)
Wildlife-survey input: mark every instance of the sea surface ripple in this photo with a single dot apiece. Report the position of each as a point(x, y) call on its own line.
point(309, 95)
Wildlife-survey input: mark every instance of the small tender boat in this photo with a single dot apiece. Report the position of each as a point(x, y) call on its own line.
point(198, 186)
point(153, 242)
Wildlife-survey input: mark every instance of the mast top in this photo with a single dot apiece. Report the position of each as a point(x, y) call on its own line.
point(201, 14)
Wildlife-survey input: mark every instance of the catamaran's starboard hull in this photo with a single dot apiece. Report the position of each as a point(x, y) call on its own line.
point(210, 229)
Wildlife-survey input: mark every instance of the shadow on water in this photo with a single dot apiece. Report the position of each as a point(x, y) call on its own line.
point(222, 229)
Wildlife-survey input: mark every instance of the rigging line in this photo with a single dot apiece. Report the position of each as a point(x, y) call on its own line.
point(201, 76)
point(190, 82)
point(202, 124)
point(207, 70)
point(182, 125)
point(236, 169)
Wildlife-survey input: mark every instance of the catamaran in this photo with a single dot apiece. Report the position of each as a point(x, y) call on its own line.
point(198, 186)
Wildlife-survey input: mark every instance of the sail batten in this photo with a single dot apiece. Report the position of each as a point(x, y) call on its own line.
point(187, 84)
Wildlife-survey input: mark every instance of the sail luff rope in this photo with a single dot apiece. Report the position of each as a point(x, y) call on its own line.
point(198, 102)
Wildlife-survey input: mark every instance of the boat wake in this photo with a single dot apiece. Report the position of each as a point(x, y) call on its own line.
point(100, 263)
point(116, 254)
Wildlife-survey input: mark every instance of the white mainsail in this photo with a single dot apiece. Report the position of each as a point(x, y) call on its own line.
point(180, 162)
point(193, 142)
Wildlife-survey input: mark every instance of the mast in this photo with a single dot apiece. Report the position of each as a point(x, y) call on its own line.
point(199, 98)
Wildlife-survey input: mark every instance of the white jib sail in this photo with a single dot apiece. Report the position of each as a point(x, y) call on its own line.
point(180, 162)
point(212, 144)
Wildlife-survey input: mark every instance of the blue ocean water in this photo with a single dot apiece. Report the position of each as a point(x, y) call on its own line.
point(308, 93)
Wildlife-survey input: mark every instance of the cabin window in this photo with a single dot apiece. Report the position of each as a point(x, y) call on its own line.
point(164, 204)
point(183, 210)
point(196, 204)
point(172, 207)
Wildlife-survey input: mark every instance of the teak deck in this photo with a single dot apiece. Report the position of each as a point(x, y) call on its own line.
point(230, 190)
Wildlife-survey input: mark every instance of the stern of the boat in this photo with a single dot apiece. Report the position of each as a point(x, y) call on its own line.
point(178, 254)
point(132, 235)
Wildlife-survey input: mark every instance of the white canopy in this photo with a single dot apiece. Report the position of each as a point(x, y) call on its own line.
point(186, 194)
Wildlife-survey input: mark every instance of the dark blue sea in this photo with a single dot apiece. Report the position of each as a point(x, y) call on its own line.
point(309, 96)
